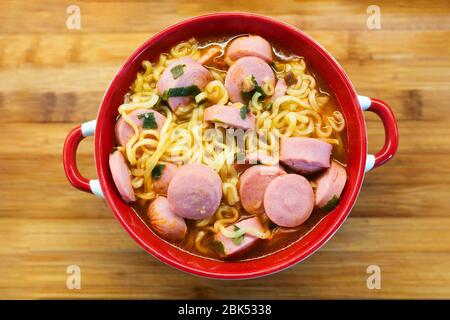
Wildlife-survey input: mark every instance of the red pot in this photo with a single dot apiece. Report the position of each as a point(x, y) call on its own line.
point(286, 36)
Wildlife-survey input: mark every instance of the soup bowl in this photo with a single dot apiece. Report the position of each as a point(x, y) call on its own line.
point(278, 33)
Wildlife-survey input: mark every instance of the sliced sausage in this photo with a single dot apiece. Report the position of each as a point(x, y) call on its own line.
point(121, 176)
point(330, 184)
point(165, 223)
point(230, 116)
point(305, 155)
point(252, 185)
point(228, 248)
point(195, 192)
point(193, 74)
point(243, 68)
point(280, 90)
point(254, 46)
point(161, 184)
point(124, 131)
point(289, 200)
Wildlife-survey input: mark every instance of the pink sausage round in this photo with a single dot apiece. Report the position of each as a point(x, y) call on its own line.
point(164, 221)
point(229, 116)
point(289, 200)
point(255, 46)
point(330, 184)
point(195, 192)
point(305, 155)
point(194, 73)
point(280, 89)
point(161, 184)
point(121, 176)
point(243, 68)
point(124, 131)
point(252, 185)
point(231, 248)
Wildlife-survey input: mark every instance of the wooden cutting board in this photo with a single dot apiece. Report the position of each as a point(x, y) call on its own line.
point(52, 78)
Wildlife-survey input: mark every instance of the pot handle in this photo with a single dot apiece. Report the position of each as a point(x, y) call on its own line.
point(386, 115)
point(69, 159)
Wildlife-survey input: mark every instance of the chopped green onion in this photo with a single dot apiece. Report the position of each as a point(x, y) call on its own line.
point(177, 71)
point(238, 240)
point(149, 120)
point(257, 88)
point(190, 91)
point(157, 171)
point(202, 96)
point(244, 110)
point(331, 204)
point(219, 247)
point(165, 95)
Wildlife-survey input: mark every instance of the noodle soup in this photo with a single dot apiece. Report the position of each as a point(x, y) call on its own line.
point(229, 148)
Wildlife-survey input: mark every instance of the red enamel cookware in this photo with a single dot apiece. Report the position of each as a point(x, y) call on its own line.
point(285, 36)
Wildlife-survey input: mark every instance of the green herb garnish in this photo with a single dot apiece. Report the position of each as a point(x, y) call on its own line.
point(158, 103)
point(219, 247)
point(177, 71)
point(331, 204)
point(244, 110)
point(149, 120)
point(257, 88)
point(190, 91)
point(238, 240)
point(165, 95)
point(157, 171)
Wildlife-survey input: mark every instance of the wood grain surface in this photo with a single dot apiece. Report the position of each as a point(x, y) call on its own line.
point(52, 78)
